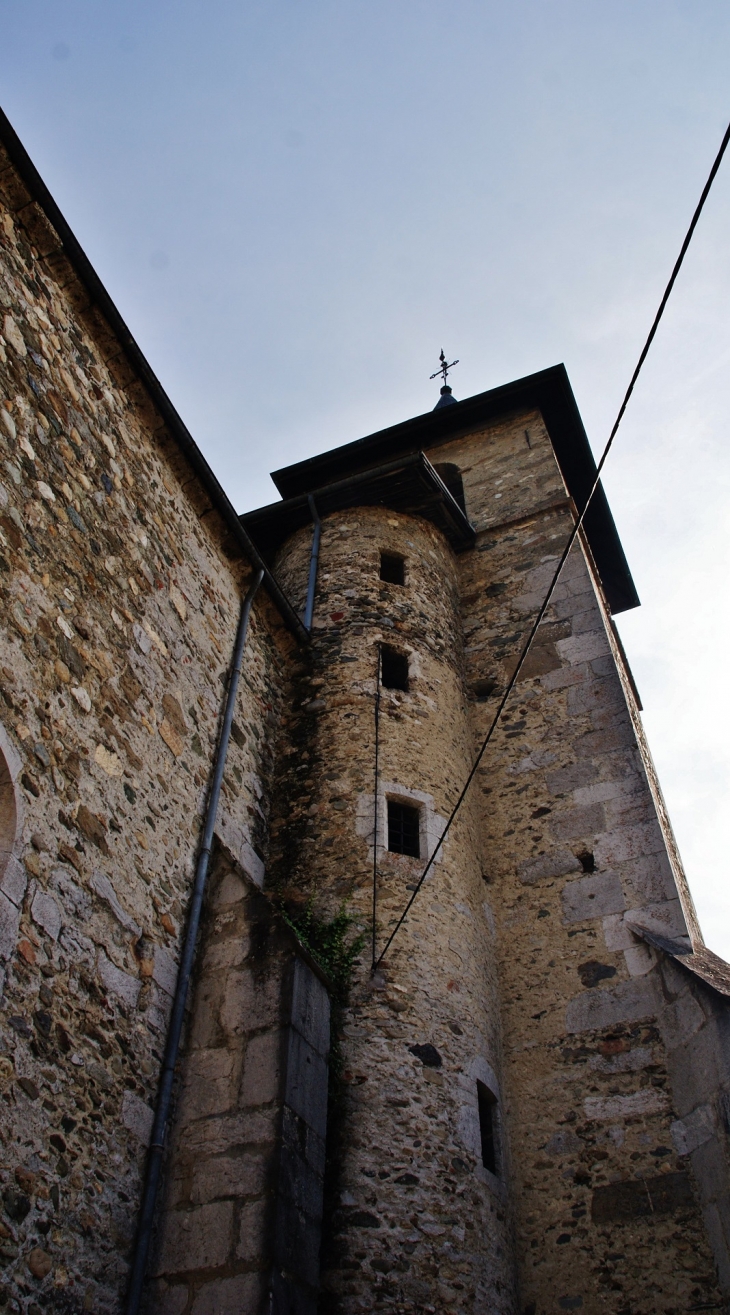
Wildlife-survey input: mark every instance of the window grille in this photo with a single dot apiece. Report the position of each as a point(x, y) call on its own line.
point(403, 829)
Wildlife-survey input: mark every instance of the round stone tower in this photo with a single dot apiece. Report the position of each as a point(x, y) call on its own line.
point(418, 1157)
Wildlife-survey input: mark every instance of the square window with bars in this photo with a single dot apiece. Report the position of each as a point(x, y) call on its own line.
point(404, 830)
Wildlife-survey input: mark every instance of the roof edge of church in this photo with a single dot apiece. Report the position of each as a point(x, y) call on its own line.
point(101, 299)
point(547, 391)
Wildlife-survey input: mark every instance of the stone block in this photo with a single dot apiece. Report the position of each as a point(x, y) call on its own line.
point(299, 1135)
point(288, 1295)
point(240, 1295)
point(650, 878)
point(578, 823)
point(164, 971)
point(254, 1235)
point(719, 1236)
point(299, 1183)
point(693, 1130)
point(541, 659)
point(224, 1176)
point(196, 1239)
point(102, 886)
point(297, 1242)
point(170, 1300)
point(592, 897)
point(575, 776)
point(228, 953)
point(710, 1172)
point(606, 792)
point(617, 738)
point(216, 1136)
point(595, 695)
point(14, 881)
point(262, 1068)
point(640, 959)
point(616, 933)
point(626, 1003)
point(680, 1020)
point(46, 914)
point(661, 1195)
point(584, 648)
point(236, 839)
point(249, 1001)
point(205, 1031)
point(695, 1071)
point(306, 1083)
point(210, 1084)
point(119, 983)
point(628, 843)
point(665, 919)
point(310, 1008)
point(565, 677)
point(231, 889)
point(609, 1109)
point(9, 925)
point(556, 863)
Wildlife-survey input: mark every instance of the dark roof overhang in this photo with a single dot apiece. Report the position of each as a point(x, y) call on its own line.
point(548, 392)
point(697, 959)
point(409, 484)
point(100, 300)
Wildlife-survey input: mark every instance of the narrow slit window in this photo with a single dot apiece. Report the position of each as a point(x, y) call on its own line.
point(403, 829)
point(488, 1128)
point(393, 668)
point(392, 568)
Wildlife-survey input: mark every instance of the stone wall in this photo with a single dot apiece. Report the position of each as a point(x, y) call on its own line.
point(418, 1222)
point(119, 614)
point(599, 1060)
point(520, 978)
point(242, 1219)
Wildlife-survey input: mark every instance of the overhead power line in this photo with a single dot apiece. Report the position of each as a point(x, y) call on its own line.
point(571, 540)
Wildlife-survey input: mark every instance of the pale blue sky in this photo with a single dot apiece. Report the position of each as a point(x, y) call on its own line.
point(296, 204)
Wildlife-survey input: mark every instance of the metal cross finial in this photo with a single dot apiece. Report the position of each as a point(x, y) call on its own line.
point(444, 367)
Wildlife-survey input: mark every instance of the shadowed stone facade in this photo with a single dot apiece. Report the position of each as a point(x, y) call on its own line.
point(531, 1097)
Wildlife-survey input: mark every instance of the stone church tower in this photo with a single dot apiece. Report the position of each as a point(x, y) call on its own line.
point(529, 1098)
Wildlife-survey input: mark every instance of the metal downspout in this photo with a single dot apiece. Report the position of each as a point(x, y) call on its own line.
point(313, 561)
point(177, 1017)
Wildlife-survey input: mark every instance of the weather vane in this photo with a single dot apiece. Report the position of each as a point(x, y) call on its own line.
point(444, 367)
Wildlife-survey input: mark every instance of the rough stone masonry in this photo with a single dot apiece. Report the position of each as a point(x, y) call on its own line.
point(529, 1100)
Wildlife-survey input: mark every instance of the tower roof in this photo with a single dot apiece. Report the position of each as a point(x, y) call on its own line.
point(548, 392)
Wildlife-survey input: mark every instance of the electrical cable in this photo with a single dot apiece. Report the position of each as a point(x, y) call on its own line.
point(571, 540)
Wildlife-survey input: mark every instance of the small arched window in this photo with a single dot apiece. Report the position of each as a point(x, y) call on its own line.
point(450, 475)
